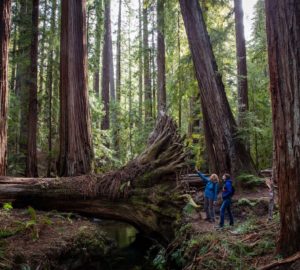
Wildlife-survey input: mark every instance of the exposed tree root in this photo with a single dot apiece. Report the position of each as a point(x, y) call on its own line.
point(288, 260)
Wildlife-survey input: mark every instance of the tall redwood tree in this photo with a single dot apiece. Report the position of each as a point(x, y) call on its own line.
point(241, 58)
point(76, 152)
point(31, 158)
point(283, 34)
point(4, 46)
point(226, 151)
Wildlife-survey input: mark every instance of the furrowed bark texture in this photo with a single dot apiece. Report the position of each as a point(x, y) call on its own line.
point(75, 132)
point(143, 193)
point(4, 46)
point(229, 153)
point(283, 34)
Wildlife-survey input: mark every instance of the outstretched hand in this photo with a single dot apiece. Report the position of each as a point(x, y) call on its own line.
point(196, 169)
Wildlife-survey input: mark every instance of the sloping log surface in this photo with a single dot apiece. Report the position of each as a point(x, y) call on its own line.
point(144, 193)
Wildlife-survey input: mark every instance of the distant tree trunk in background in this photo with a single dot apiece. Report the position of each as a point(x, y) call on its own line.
point(23, 76)
point(5, 10)
point(229, 153)
point(147, 79)
point(283, 34)
point(118, 79)
point(140, 65)
point(241, 58)
point(76, 152)
point(153, 67)
point(161, 69)
point(49, 86)
point(42, 50)
point(179, 73)
point(13, 58)
point(98, 47)
point(106, 66)
point(31, 158)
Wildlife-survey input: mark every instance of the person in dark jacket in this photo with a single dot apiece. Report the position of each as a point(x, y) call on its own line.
point(210, 194)
point(227, 193)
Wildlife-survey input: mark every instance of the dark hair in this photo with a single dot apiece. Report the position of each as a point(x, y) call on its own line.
point(227, 176)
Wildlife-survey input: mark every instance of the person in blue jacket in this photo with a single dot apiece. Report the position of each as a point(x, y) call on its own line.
point(210, 194)
point(227, 193)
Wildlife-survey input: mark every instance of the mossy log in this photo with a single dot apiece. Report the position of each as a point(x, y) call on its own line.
point(144, 193)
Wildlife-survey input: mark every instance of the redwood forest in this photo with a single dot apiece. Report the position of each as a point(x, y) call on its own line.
point(149, 134)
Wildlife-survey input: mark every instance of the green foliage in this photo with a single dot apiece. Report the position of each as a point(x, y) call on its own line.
point(159, 262)
point(249, 180)
point(7, 207)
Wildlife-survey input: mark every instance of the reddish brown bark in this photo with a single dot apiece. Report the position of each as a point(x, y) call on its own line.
point(106, 66)
point(31, 158)
point(75, 132)
point(241, 58)
point(161, 69)
point(5, 11)
point(283, 34)
point(229, 154)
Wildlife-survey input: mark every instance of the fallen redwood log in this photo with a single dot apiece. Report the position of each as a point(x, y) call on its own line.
point(144, 193)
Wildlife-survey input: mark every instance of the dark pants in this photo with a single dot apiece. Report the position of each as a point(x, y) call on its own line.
point(209, 209)
point(226, 206)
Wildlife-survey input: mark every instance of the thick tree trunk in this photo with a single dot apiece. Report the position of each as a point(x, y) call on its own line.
point(106, 66)
point(161, 69)
point(283, 33)
point(229, 153)
point(5, 11)
point(143, 193)
point(31, 158)
point(146, 53)
point(241, 58)
point(75, 132)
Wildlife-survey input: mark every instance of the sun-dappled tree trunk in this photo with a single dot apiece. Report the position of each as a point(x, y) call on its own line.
point(76, 152)
point(31, 158)
point(161, 69)
point(241, 58)
point(229, 153)
point(5, 10)
point(283, 20)
point(106, 66)
point(146, 53)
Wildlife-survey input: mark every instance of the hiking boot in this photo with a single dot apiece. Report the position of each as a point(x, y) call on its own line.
point(219, 228)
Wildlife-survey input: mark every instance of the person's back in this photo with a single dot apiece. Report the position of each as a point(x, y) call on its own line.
point(227, 193)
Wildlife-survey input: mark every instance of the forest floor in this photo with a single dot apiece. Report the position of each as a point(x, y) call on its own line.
point(249, 244)
point(31, 239)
